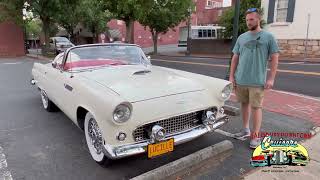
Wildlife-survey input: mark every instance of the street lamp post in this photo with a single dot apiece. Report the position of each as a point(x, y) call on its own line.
point(25, 34)
point(235, 33)
point(188, 36)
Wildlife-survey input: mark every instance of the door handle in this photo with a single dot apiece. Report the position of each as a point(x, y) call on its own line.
point(68, 87)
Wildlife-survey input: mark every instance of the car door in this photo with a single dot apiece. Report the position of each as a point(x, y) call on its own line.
point(62, 89)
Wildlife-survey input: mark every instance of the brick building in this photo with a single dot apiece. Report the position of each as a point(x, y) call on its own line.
point(11, 38)
point(207, 12)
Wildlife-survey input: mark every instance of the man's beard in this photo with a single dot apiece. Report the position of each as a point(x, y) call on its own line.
point(253, 28)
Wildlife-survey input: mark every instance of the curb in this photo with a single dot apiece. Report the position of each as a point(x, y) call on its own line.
point(187, 163)
point(40, 57)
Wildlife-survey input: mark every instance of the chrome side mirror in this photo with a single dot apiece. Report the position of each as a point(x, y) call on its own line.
point(54, 64)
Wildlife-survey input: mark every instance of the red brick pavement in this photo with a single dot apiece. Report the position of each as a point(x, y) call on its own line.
point(291, 104)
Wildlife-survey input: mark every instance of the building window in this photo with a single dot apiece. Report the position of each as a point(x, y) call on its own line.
point(213, 4)
point(281, 11)
point(199, 33)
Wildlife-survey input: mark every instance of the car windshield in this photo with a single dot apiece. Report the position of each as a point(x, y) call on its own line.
point(104, 56)
point(62, 39)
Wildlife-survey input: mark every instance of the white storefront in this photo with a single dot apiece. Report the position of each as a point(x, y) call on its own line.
point(288, 21)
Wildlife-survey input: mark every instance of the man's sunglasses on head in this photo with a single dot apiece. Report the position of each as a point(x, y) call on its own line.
point(252, 10)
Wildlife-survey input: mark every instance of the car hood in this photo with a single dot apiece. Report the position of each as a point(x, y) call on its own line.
point(138, 83)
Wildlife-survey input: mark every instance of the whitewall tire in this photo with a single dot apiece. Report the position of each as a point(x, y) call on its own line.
point(95, 140)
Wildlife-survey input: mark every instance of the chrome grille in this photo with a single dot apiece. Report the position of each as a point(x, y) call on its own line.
point(171, 125)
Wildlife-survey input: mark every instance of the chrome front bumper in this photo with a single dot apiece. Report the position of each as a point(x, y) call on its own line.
point(141, 147)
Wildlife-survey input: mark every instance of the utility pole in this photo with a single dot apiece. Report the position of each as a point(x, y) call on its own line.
point(188, 36)
point(235, 32)
point(307, 38)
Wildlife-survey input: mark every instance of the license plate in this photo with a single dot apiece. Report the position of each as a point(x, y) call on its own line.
point(160, 148)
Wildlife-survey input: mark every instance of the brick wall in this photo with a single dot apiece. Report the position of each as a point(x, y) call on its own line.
point(211, 46)
point(143, 37)
point(296, 48)
point(11, 40)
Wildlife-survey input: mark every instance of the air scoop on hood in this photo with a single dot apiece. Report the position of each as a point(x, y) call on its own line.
point(141, 72)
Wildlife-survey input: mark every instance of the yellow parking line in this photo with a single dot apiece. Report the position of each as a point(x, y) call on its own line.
point(221, 65)
point(299, 72)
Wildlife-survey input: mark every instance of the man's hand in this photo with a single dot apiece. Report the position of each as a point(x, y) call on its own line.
point(232, 80)
point(269, 84)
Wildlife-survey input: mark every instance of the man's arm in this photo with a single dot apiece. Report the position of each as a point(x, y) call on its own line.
point(233, 67)
point(273, 70)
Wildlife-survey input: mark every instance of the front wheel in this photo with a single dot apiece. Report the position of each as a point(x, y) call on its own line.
point(47, 103)
point(94, 140)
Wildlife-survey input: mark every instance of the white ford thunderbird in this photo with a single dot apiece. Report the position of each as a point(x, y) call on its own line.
point(125, 105)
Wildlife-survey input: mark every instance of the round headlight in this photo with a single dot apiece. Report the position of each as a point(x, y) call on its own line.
point(122, 113)
point(226, 92)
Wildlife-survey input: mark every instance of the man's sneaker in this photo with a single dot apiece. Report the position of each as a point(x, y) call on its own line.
point(254, 143)
point(242, 134)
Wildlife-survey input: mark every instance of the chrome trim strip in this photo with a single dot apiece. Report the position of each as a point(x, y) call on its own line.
point(141, 147)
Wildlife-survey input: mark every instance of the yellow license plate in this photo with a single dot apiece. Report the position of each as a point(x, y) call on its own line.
point(160, 148)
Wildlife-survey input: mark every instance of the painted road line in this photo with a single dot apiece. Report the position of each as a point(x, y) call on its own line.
point(225, 66)
point(4, 173)
point(228, 134)
point(12, 63)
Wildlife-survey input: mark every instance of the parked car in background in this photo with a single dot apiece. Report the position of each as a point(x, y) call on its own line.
point(59, 44)
point(127, 106)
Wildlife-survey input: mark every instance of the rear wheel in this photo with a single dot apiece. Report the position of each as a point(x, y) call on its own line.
point(94, 140)
point(47, 103)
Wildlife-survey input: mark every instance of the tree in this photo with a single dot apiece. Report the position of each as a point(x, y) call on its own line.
point(94, 16)
point(33, 28)
point(69, 15)
point(47, 11)
point(127, 11)
point(11, 10)
point(226, 19)
point(163, 15)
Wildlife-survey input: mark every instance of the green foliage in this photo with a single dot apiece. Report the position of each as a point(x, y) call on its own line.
point(128, 11)
point(68, 15)
point(11, 10)
point(125, 9)
point(94, 16)
point(165, 14)
point(33, 28)
point(162, 15)
point(226, 19)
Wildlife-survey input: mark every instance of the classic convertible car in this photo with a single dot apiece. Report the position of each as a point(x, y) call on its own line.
point(125, 105)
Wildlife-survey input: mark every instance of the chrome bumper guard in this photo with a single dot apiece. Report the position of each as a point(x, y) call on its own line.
point(141, 147)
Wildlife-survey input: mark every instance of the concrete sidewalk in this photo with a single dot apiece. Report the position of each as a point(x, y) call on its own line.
point(310, 171)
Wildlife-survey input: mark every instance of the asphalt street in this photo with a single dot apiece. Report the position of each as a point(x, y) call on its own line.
point(39, 145)
point(297, 77)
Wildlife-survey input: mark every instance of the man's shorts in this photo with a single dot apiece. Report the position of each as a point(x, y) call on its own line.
point(249, 94)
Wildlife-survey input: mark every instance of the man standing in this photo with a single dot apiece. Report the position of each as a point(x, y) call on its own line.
point(248, 72)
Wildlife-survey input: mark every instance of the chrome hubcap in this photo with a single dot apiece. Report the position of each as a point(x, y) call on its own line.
point(95, 136)
point(44, 99)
